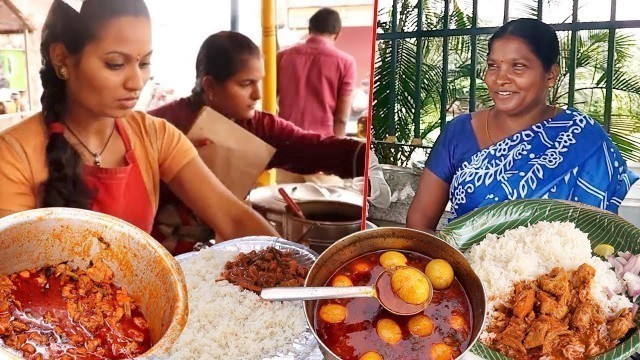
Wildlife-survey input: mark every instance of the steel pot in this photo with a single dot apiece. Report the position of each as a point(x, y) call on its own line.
point(366, 241)
point(49, 236)
point(326, 222)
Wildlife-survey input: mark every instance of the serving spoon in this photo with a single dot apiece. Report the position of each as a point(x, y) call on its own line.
point(381, 290)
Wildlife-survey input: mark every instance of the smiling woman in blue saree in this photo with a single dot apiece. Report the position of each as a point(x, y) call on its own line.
point(521, 148)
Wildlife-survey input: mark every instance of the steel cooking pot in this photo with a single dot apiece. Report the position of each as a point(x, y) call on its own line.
point(367, 241)
point(326, 222)
point(49, 236)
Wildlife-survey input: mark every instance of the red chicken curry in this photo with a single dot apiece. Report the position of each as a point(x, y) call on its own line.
point(555, 316)
point(64, 313)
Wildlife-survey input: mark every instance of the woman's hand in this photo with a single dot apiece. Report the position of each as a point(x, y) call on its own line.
point(214, 204)
point(429, 203)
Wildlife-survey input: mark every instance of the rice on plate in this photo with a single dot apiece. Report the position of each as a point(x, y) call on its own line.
point(227, 322)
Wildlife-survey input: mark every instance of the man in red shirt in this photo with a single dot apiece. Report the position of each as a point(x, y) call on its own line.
point(316, 80)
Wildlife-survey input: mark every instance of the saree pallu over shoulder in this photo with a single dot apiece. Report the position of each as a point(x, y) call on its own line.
point(567, 157)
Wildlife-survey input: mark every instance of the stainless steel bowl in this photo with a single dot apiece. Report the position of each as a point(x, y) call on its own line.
point(367, 241)
point(49, 236)
point(326, 222)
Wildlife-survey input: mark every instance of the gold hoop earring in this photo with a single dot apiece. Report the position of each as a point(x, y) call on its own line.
point(63, 73)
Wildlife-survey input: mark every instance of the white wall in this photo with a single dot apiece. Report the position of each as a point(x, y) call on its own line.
point(177, 39)
point(630, 208)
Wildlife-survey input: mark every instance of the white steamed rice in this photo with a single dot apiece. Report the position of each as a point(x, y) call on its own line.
point(228, 323)
point(525, 253)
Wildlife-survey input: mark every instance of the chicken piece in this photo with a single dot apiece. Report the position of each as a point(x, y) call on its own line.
point(92, 344)
point(586, 316)
point(549, 306)
point(136, 335)
point(76, 339)
point(92, 323)
point(6, 286)
point(498, 323)
point(581, 317)
point(111, 322)
point(555, 283)
point(19, 327)
point(140, 322)
point(581, 282)
point(5, 324)
point(104, 307)
point(37, 338)
point(68, 291)
point(100, 273)
point(573, 348)
point(17, 304)
point(523, 303)
point(21, 340)
point(619, 326)
point(553, 338)
point(595, 343)
point(74, 311)
point(509, 346)
point(127, 308)
point(537, 333)
point(583, 275)
point(49, 318)
point(85, 284)
point(118, 314)
point(122, 296)
point(516, 329)
point(28, 349)
point(132, 348)
point(100, 352)
point(10, 341)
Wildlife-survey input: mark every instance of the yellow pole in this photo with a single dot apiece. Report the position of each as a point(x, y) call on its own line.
point(269, 50)
point(269, 83)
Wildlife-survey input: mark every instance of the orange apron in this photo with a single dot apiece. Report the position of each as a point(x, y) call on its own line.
point(121, 191)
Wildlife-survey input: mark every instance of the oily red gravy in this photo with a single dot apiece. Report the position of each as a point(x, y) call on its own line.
point(64, 313)
point(357, 335)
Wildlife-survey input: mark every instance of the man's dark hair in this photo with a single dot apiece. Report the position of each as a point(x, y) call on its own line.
point(325, 22)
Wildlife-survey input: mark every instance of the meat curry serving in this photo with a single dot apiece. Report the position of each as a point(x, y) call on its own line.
point(266, 268)
point(555, 317)
point(58, 312)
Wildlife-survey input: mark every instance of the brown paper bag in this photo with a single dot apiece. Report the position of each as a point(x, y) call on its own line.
point(235, 156)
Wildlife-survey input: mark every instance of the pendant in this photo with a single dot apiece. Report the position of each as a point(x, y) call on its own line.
point(97, 160)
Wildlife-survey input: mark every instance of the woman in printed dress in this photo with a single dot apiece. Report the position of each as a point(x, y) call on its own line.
point(522, 147)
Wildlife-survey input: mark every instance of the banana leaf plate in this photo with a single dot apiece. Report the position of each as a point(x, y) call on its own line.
point(601, 227)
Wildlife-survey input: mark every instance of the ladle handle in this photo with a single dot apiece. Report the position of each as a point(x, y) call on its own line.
point(316, 293)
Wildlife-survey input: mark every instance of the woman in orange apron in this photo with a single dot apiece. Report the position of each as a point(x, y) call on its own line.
point(88, 149)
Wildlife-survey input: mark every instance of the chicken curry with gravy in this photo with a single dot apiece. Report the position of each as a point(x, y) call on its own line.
point(555, 316)
point(59, 312)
